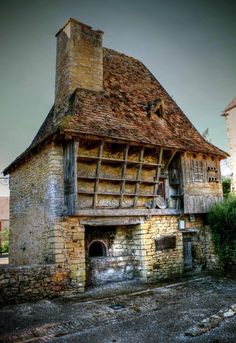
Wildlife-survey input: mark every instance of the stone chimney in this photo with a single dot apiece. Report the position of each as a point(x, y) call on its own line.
point(79, 59)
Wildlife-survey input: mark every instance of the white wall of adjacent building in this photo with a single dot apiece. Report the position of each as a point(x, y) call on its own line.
point(231, 135)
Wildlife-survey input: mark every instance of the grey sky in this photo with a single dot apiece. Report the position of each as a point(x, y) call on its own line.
point(188, 45)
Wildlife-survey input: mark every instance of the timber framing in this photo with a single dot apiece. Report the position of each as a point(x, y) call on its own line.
point(147, 166)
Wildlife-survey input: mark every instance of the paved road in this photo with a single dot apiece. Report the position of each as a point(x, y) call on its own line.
point(158, 314)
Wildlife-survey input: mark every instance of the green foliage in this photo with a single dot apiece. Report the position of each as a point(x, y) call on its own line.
point(226, 184)
point(222, 220)
point(5, 241)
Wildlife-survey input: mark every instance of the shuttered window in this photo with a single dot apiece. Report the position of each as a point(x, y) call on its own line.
point(197, 171)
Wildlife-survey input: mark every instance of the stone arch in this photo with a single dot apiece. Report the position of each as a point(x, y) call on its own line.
point(97, 248)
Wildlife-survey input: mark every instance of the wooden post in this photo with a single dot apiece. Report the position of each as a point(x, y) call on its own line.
point(70, 177)
point(99, 161)
point(170, 159)
point(122, 186)
point(158, 174)
point(137, 186)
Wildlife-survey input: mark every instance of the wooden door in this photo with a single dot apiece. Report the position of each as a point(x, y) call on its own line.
point(188, 257)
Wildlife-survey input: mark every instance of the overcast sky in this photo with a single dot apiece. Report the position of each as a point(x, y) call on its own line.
point(189, 46)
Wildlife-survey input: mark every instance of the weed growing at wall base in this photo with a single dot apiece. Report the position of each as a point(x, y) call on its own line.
point(4, 247)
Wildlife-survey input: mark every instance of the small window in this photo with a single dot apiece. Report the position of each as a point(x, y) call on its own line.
point(156, 107)
point(97, 249)
point(197, 171)
point(165, 242)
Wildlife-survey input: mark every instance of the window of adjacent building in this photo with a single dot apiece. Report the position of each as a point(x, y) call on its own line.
point(197, 170)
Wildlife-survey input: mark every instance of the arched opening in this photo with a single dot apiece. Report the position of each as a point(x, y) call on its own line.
point(97, 249)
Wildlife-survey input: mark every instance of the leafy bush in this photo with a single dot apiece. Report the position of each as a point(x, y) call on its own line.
point(226, 185)
point(5, 241)
point(222, 220)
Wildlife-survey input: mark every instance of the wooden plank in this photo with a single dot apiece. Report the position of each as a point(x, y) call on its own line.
point(200, 203)
point(137, 186)
point(122, 186)
point(70, 176)
point(112, 221)
point(85, 158)
point(126, 212)
point(97, 174)
point(158, 173)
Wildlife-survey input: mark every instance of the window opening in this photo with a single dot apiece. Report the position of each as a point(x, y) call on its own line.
point(156, 107)
point(198, 171)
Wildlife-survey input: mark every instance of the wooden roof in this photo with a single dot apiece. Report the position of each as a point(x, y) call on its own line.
point(123, 111)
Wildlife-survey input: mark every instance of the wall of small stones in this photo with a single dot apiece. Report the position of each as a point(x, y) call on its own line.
point(36, 203)
point(160, 264)
point(24, 283)
point(138, 242)
point(204, 255)
point(139, 259)
point(79, 60)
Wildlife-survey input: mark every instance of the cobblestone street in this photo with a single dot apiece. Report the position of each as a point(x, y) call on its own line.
point(128, 313)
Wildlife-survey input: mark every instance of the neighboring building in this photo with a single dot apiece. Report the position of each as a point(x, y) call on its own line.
point(4, 213)
point(117, 181)
point(230, 117)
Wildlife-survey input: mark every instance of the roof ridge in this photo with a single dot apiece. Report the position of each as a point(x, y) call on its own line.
point(121, 54)
point(230, 106)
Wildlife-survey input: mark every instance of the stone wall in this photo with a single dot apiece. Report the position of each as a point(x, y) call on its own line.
point(133, 251)
point(160, 264)
point(24, 283)
point(36, 203)
point(67, 243)
point(138, 244)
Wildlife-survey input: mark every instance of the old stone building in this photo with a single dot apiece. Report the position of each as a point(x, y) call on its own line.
point(230, 117)
point(117, 181)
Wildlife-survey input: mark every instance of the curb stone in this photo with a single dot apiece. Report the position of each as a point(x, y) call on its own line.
point(211, 322)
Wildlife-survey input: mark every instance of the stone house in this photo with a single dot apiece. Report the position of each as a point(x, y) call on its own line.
point(230, 117)
point(116, 183)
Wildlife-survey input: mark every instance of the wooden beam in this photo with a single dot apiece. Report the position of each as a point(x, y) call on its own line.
point(122, 212)
point(170, 159)
point(110, 221)
point(70, 176)
point(76, 144)
point(158, 174)
point(99, 161)
point(122, 186)
point(137, 186)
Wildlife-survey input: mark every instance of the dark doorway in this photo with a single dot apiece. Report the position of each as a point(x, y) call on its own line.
point(188, 256)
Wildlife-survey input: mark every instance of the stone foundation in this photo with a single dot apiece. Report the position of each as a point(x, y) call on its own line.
point(149, 250)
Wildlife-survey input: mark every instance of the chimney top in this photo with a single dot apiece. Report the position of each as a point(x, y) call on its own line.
point(79, 60)
point(72, 20)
